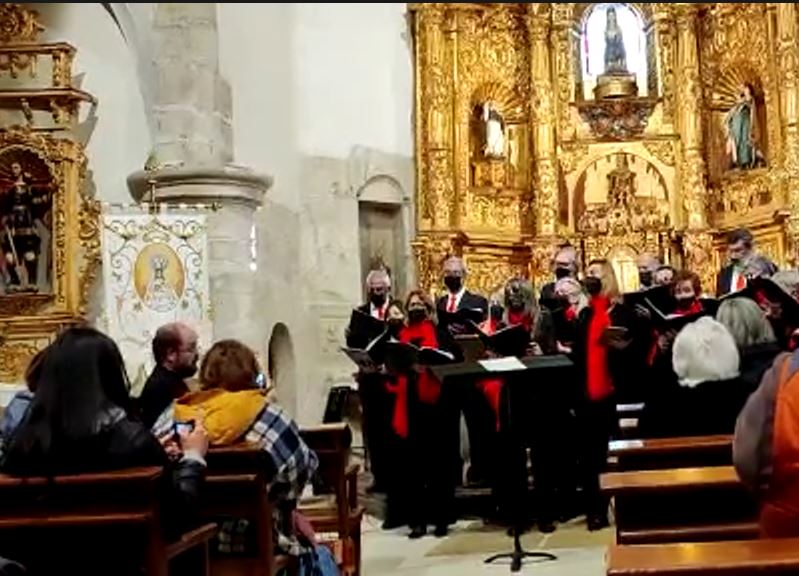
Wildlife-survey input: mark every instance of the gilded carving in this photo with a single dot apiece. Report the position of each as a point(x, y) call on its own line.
point(487, 276)
point(666, 41)
point(571, 154)
point(18, 24)
point(663, 150)
point(698, 249)
point(14, 358)
point(620, 119)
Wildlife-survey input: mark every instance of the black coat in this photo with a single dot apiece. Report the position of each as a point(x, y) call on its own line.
point(161, 389)
point(724, 281)
point(468, 300)
point(755, 360)
point(707, 409)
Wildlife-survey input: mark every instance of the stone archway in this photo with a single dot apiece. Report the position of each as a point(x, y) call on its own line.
point(281, 363)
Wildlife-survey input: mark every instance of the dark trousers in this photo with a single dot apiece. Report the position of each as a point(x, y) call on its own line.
point(376, 407)
point(596, 423)
point(481, 427)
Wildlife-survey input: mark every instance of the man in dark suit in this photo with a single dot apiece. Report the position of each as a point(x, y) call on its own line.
point(478, 415)
point(739, 248)
point(564, 264)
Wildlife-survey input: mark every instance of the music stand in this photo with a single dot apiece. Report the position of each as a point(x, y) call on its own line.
point(476, 370)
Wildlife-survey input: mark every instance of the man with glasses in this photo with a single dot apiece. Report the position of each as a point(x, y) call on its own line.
point(176, 358)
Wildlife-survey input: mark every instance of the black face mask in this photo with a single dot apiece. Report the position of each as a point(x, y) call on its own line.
point(377, 299)
point(593, 285)
point(645, 278)
point(416, 315)
point(496, 312)
point(684, 303)
point(453, 283)
point(561, 272)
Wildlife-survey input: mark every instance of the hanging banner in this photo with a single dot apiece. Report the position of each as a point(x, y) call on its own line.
point(155, 271)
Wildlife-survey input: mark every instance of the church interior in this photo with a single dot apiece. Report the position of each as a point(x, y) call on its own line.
point(390, 288)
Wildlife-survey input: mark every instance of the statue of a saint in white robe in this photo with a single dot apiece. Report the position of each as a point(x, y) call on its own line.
point(495, 135)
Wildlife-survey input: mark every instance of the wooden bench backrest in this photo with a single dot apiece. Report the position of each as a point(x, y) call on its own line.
point(671, 452)
point(66, 522)
point(741, 558)
point(331, 443)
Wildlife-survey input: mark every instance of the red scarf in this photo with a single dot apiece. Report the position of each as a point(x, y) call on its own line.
point(570, 314)
point(523, 318)
point(695, 308)
point(598, 382)
point(422, 334)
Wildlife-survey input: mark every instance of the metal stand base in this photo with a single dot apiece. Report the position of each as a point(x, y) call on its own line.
point(519, 554)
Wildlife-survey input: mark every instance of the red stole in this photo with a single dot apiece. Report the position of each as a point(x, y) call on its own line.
point(422, 335)
point(598, 382)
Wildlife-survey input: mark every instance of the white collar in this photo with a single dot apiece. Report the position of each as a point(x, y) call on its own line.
point(458, 295)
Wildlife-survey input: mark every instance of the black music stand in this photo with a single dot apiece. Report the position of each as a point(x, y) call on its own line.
point(475, 370)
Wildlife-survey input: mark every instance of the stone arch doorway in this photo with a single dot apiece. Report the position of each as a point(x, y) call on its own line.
point(281, 364)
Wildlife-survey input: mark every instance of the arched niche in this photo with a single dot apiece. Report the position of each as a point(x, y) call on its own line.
point(281, 363)
point(635, 21)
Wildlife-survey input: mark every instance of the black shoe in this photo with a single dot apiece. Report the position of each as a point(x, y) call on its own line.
point(546, 526)
point(441, 531)
point(597, 523)
point(417, 532)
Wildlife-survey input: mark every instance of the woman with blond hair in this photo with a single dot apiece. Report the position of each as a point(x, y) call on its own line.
point(609, 358)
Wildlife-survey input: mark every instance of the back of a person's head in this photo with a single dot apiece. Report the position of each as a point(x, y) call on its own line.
point(704, 351)
point(81, 379)
point(788, 280)
point(746, 322)
point(229, 365)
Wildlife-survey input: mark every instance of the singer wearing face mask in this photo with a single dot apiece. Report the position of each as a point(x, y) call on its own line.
point(477, 414)
point(647, 266)
point(610, 359)
point(564, 265)
point(371, 389)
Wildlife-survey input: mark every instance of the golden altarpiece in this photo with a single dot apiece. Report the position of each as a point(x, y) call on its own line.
point(620, 128)
point(49, 237)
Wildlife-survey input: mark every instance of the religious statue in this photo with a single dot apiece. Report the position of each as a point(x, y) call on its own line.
point(740, 127)
point(621, 183)
point(24, 211)
point(160, 295)
point(615, 53)
point(494, 146)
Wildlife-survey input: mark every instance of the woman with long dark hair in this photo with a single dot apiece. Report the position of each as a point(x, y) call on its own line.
point(79, 421)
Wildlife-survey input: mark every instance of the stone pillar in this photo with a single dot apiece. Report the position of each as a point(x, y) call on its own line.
point(788, 66)
point(543, 120)
point(689, 97)
point(191, 103)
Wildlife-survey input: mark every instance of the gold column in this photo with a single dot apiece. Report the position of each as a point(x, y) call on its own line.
point(543, 120)
point(689, 116)
point(666, 45)
point(788, 65)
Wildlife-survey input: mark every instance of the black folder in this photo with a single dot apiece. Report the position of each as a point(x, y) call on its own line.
point(461, 317)
point(402, 357)
point(371, 357)
point(659, 296)
point(666, 322)
point(363, 329)
point(511, 341)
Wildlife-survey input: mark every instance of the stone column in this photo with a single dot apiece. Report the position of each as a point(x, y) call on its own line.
point(543, 121)
point(191, 104)
point(689, 98)
point(788, 66)
point(189, 165)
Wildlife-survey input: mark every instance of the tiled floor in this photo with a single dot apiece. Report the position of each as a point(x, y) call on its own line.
point(462, 553)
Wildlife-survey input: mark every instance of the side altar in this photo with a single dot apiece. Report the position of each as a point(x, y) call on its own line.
point(621, 128)
point(49, 233)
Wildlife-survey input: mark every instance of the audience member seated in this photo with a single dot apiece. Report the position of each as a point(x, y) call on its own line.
point(233, 407)
point(18, 406)
point(766, 447)
point(176, 357)
point(757, 344)
point(710, 392)
point(79, 421)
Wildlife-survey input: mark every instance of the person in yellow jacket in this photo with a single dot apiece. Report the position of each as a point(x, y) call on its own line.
point(233, 407)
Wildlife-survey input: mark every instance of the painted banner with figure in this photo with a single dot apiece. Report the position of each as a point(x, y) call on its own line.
point(155, 271)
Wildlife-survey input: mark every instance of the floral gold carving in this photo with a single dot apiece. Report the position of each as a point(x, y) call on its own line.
point(14, 358)
point(698, 249)
point(620, 119)
point(571, 155)
point(18, 24)
point(663, 150)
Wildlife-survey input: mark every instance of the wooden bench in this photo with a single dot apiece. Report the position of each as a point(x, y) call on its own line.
point(662, 453)
point(236, 488)
point(337, 478)
point(96, 523)
point(680, 505)
point(741, 558)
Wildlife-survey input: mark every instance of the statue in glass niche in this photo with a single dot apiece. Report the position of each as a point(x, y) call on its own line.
point(494, 146)
point(615, 53)
point(740, 129)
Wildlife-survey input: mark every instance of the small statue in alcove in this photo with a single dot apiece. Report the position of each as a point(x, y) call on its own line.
point(615, 53)
point(740, 130)
point(494, 146)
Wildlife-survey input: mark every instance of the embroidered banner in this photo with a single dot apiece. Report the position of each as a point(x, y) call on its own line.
point(155, 271)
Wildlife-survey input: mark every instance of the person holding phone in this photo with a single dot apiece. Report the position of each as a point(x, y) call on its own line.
point(608, 361)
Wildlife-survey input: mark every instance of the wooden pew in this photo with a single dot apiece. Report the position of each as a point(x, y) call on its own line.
point(662, 453)
point(337, 478)
point(96, 523)
point(236, 487)
point(680, 505)
point(741, 558)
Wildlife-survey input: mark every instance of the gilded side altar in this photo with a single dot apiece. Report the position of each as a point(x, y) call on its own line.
point(49, 234)
point(620, 128)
